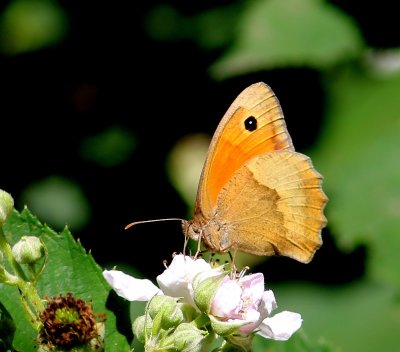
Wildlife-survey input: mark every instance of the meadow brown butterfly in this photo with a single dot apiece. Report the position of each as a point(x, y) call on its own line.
point(256, 194)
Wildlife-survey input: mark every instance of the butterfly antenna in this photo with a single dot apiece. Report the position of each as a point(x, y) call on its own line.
point(146, 221)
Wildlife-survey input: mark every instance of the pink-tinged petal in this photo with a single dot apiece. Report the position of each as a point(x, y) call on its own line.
point(254, 282)
point(253, 317)
point(227, 300)
point(281, 326)
point(253, 289)
point(129, 287)
point(268, 303)
point(264, 309)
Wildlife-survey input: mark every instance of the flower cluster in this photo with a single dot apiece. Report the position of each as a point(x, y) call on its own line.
point(195, 303)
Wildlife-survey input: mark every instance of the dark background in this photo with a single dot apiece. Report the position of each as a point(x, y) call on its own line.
point(108, 71)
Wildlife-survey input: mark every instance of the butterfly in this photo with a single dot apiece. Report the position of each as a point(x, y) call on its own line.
point(256, 193)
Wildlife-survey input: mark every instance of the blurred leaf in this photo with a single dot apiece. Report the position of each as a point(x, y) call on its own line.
point(274, 33)
point(164, 22)
point(363, 316)
point(58, 201)
point(69, 269)
point(27, 25)
point(109, 148)
point(184, 165)
point(210, 29)
point(216, 27)
point(299, 342)
point(358, 155)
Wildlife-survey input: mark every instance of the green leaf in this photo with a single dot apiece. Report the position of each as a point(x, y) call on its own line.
point(69, 269)
point(363, 316)
point(358, 155)
point(7, 328)
point(275, 33)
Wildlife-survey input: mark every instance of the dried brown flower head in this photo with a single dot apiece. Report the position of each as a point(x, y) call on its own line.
point(68, 322)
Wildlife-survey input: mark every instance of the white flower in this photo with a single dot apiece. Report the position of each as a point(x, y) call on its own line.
point(244, 303)
point(129, 287)
point(176, 280)
point(234, 305)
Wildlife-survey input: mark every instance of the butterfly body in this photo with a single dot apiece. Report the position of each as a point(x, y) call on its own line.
point(256, 194)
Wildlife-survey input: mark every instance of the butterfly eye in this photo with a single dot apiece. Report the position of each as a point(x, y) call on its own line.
point(250, 123)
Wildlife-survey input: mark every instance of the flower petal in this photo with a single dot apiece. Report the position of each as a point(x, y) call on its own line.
point(268, 303)
point(281, 326)
point(129, 287)
point(176, 281)
point(227, 300)
point(253, 287)
point(252, 319)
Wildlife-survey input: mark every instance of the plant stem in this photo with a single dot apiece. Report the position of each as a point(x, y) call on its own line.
point(5, 247)
point(29, 296)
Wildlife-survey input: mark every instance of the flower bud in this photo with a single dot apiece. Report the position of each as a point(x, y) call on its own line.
point(188, 311)
point(6, 206)
point(168, 307)
point(28, 250)
point(139, 325)
point(188, 338)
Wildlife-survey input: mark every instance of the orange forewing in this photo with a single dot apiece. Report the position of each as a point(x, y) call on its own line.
point(233, 145)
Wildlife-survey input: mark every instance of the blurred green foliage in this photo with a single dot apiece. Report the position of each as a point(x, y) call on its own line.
point(356, 152)
point(184, 165)
point(110, 147)
point(274, 33)
point(58, 201)
point(27, 25)
point(358, 155)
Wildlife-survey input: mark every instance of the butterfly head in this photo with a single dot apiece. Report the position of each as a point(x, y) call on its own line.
point(191, 229)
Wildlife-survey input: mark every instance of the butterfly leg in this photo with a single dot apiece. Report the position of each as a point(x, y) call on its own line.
point(185, 245)
point(198, 251)
point(233, 265)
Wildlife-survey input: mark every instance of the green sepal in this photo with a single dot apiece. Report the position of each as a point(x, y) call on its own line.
point(189, 338)
point(225, 328)
point(188, 311)
point(239, 343)
point(167, 310)
point(205, 290)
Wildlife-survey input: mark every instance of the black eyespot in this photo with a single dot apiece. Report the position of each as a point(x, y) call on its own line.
point(250, 123)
